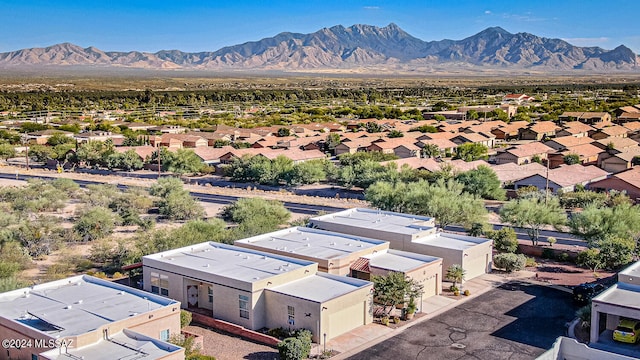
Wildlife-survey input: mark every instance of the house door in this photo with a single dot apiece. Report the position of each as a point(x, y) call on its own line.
point(192, 296)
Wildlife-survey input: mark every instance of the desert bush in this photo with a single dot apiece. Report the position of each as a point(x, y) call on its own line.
point(510, 262)
point(504, 240)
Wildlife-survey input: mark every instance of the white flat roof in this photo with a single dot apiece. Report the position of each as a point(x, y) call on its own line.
point(76, 305)
point(321, 287)
point(621, 294)
point(123, 345)
point(632, 272)
point(314, 243)
point(450, 241)
point(228, 261)
point(377, 219)
point(402, 261)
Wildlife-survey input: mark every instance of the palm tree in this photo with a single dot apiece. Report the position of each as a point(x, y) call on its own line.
point(456, 274)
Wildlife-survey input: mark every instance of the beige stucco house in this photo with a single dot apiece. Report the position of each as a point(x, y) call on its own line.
point(83, 317)
point(415, 234)
point(256, 289)
point(349, 255)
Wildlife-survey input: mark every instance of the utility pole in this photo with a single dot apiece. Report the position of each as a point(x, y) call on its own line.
point(159, 167)
point(26, 147)
point(546, 190)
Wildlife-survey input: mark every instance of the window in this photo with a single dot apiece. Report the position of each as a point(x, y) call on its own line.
point(243, 302)
point(210, 293)
point(164, 335)
point(34, 357)
point(291, 311)
point(159, 284)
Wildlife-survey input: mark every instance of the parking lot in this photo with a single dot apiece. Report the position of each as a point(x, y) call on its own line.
point(517, 320)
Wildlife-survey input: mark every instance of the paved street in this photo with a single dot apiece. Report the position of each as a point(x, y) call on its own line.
point(517, 320)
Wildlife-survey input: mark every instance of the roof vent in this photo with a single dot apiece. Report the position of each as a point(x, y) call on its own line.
point(256, 278)
point(68, 307)
point(306, 238)
point(120, 292)
point(79, 302)
point(332, 243)
point(206, 265)
point(348, 244)
point(359, 245)
point(133, 314)
point(307, 245)
point(170, 258)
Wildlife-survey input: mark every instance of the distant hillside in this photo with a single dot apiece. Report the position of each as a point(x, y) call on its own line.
point(359, 47)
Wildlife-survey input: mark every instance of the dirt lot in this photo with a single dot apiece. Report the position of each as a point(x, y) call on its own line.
point(229, 347)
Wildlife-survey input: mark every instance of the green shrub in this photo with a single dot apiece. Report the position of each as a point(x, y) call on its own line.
point(551, 240)
point(531, 262)
point(504, 240)
point(291, 349)
point(185, 318)
point(304, 336)
point(564, 257)
point(510, 262)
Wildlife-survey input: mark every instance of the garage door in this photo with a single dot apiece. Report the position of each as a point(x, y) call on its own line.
point(430, 287)
point(346, 320)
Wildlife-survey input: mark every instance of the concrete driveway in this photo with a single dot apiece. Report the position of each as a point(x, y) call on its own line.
point(517, 320)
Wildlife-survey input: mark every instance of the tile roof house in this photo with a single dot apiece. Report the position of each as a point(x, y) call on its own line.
point(487, 140)
point(509, 131)
point(523, 154)
point(143, 152)
point(588, 154)
point(585, 117)
point(575, 129)
point(627, 181)
point(609, 132)
point(538, 131)
point(510, 172)
point(117, 139)
point(353, 146)
point(178, 141)
point(562, 143)
point(400, 147)
point(615, 163)
point(564, 178)
point(517, 99)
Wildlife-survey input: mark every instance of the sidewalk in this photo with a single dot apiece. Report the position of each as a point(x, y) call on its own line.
point(368, 335)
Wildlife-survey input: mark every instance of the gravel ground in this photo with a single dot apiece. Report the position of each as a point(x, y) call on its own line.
point(228, 347)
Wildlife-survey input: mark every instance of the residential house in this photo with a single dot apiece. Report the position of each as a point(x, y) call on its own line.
point(116, 139)
point(412, 233)
point(41, 137)
point(178, 141)
point(509, 131)
point(587, 153)
point(565, 348)
point(143, 152)
point(585, 117)
point(574, 129)
point(620, 161)
point(627, 117)
point(86, 317)
point(445, 146)
point(510, 172)
point(609, 132)
point(620, 301)
point(400, 147)
point(627, 181)
point(538, 131)
point(523, 154)
point(563, 178)
point(487, 140)
point(565, 142)
point(167, 129)
point(353, 146)
point(256, 289)
point(211, 156)
point(518, 99)
point(212, 137)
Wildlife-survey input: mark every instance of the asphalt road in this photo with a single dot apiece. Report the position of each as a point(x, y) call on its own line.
point(299, 208)
point(517, 320)
point(562, 238)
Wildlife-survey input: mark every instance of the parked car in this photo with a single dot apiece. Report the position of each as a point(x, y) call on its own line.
point(583, 293)
point(628, 331)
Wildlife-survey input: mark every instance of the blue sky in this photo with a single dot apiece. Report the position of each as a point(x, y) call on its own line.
point(192, 25)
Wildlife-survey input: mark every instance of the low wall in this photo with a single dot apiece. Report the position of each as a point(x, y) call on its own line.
point(235, 329)
point(198, 341)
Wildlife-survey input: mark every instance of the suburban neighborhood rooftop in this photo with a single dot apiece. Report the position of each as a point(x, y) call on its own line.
point(76, 305)
point(228, 261)
point(383, 220)
point(450, 241)
point(310, 242)
point(321, 287)
point(401, 261)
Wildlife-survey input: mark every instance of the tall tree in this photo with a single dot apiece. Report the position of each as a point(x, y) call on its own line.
point(482, 182)
point(533, 214)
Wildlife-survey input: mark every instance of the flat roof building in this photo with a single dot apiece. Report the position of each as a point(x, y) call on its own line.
point(622, 300)
point(334, 252)
point(415, 234)
point(77, 315)
point(239, 285)
point(343, 254)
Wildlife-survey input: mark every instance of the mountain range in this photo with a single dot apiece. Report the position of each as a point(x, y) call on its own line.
point(362, 48)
